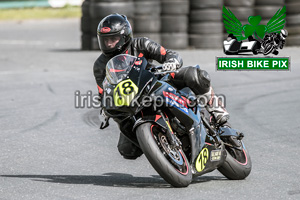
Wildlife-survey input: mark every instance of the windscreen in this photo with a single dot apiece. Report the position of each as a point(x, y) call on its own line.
point(118, 67)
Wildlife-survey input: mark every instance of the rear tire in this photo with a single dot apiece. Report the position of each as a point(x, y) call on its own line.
point(238, 166)
point(160, 159)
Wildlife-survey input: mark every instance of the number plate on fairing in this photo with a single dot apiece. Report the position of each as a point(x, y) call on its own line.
point(124, 92)
point(215, 155)
point(202, 159)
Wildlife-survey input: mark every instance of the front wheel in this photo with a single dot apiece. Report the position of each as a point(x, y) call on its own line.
point(170, 163)
point(237, 164)
point(268, 49)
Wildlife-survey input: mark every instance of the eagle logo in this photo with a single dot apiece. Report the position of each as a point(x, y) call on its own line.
point(242, 32)
point(265, 39)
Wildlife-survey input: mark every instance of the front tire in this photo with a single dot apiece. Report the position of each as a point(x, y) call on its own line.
point(237, 165)
point(268, 49)
point(172, 166)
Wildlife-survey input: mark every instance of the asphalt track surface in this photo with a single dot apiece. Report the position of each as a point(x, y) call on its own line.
point(50, 150)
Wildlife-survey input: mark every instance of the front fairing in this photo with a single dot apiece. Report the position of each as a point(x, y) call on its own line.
point(123, 98)
point(167, 96)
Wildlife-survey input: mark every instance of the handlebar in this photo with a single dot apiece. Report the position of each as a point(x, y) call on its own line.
point(155, 68)
point(165, 72)
point(159, 67)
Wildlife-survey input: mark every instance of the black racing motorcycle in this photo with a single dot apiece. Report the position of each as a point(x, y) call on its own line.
point(271, 43)
point(174, 133)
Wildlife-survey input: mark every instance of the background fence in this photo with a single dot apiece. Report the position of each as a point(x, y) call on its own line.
point(181, 24)
point(176, 24)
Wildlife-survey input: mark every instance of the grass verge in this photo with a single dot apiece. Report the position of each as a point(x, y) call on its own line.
point(40, 13)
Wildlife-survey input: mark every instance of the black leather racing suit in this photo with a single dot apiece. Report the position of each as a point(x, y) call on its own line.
point(196, 79)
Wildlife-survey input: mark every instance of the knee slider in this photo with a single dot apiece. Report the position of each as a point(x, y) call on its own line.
point(203, 81)
point(204, 78)
point(198, 80)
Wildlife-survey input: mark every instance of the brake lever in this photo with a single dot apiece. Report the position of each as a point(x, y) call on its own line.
point(105, 124)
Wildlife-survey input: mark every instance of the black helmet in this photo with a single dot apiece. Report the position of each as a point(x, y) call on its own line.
point(114, 34)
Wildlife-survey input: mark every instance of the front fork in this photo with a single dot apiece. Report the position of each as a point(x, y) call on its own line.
point(169, 132)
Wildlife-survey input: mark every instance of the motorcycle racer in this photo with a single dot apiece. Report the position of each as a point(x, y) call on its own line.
point(115, 37)
point(277, 38)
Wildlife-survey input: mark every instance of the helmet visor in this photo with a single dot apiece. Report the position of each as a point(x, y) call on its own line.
point(110, 43)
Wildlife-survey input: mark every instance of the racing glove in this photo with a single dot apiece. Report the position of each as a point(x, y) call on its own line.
point(171, 65)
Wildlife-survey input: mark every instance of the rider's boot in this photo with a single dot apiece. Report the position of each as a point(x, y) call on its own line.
point(216, 108)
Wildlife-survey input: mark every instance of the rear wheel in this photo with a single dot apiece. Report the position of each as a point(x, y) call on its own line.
point(238, 164)
point(170, 162)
